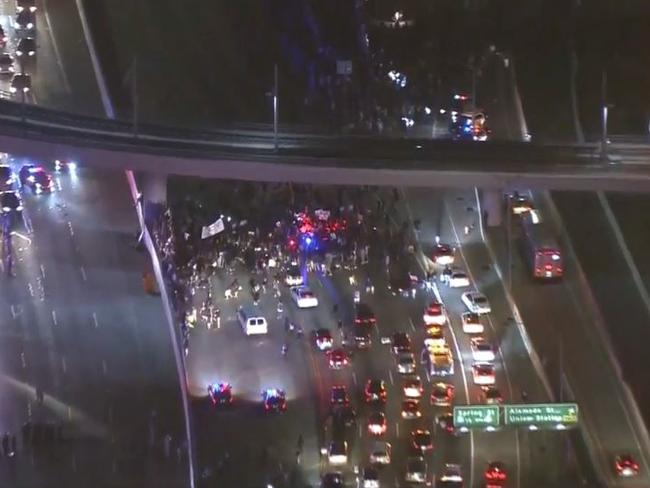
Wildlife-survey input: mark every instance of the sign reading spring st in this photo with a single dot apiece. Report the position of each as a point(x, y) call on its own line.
point(476, 416)
point(542, 414)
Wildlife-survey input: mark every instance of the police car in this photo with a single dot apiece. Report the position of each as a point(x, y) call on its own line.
point(274, 400)
point(220, 393)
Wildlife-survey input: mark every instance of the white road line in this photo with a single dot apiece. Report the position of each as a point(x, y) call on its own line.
point(390, 375)
point(42, 271)
point(31, 289)
point(83, 274)
point(54, 318)
point(14, 314)
point(29, 410)
point(69, 412)
point(412, 324)
point(95, 320)
point(64, 364)
point(396, 429)
point(23, 360)
point(70, 229)
point(360, 431)
point(354, 378)
point(104, 367)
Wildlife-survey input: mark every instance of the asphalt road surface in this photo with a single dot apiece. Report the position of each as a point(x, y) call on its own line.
point(79, 327)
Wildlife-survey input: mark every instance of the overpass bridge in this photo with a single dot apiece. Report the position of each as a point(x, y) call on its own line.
point(249, 154)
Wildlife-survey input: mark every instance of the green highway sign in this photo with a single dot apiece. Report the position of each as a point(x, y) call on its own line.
point(541, 414)
point(476, 416)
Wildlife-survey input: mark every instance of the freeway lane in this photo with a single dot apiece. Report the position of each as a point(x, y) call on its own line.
point(80, 328)
point(560, 321)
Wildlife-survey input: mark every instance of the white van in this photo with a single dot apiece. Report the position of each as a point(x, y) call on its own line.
point(251, 322)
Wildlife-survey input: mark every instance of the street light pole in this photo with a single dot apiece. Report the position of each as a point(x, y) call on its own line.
point(604, 114)
point(509, 238)
point(275, 107)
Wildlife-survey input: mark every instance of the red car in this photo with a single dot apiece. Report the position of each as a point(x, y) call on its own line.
point(495, 475)
point(626, 466)
point(338, 358)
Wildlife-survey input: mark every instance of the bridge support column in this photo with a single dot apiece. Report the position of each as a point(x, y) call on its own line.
point(492, 208)
point(154, 194)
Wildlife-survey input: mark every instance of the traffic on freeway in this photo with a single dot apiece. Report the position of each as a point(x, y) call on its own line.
point(320, 345)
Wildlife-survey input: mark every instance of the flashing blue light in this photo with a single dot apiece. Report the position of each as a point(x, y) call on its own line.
point(308, 240)
point(467, 129)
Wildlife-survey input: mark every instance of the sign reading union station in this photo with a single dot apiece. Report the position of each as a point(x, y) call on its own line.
point(541, 414)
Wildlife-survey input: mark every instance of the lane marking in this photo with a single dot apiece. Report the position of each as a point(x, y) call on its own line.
point(397, 429)
point(354, 378)
point(83, 274)
point(54, 317)
point(360, 431)
point(55, 46)
point(95, 320)
point(390, 375)
point(70, 229)
point(23, 359)
point(14, 314)
point(64, 365)
point(31, 289)
point(42, 271)
point(104, 367)
point(412, 324)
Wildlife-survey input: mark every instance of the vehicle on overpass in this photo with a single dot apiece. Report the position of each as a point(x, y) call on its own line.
point(540, 247)
point(469, 125)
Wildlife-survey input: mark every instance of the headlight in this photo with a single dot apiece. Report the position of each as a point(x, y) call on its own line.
point(25, 89)
point(6, 209)
point(19, 8)
point(38, 185)
point(72, 166)
point(11, 69)
point(31, 53)
point(19, 52)
point(30, 25)
point(12, 89)
point(19, 208)
point(32, 8)
point(9, 181)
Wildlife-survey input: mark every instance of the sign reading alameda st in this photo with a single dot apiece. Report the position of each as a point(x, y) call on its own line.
point(476, 416)
point(541, 414)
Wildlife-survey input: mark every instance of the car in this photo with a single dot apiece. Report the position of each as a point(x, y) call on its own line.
point(458, 279)
point(435, 333)
point(35, 178)
point(3, 37)
point(220, 393)
point(6, 64)
point(476, 302)
point(10, 202)
point(411, 409)
point(274, 400)
point(338, 453)
point(339, 396)
point(519, 204)
point(303, 297)
point(434, 314)
point(442, 394)
point(626, 466)
point(483, 374)
point(377, 423)
point(323, 339)
point(375, 391)
point(482, 350)
point(332, 480)
point(364, 315)
point(401, 282)
point(412, 387)
point(363, 336)
point(25, 5)
point(7, 178)
point(338, 358)
point(380, 453)
point(416, 470)
point(495, 475)
point(26, 47)
point(451, 476)
point(293, 277)
point(20, 83)
point(62, 165)
point(472, 323)
point(345, 415)
point(25, 20)
point(443, 255)
point(401, 342)
point(422, 440)
point(491, 395)
point(445, 421)
point(369, 478)
point(405, 363)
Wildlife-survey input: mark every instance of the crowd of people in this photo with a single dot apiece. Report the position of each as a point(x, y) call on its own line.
point(323, 230)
